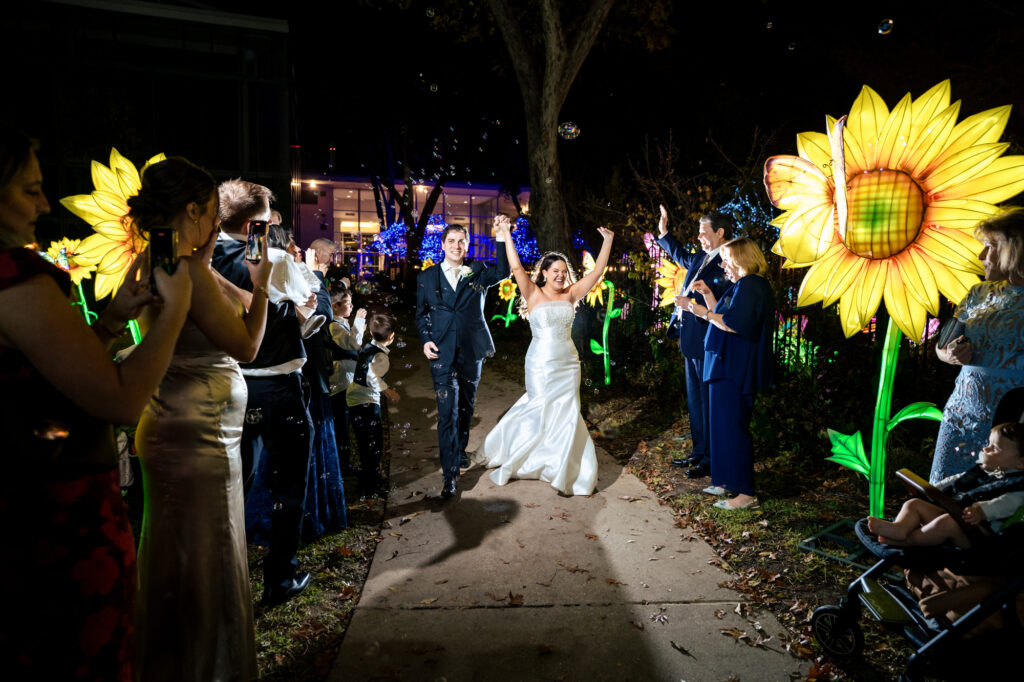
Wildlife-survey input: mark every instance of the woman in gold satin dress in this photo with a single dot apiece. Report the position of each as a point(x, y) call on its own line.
point(194, 610)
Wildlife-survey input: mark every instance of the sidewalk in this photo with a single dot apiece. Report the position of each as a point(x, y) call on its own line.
point(520, 583)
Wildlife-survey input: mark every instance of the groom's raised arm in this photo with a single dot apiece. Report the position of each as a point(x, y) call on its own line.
point(493, 274)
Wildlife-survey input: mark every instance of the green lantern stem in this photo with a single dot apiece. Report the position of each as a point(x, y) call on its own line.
point(597, 348)
point(80, 303)
point(849, 450)
point(510, 315)
point(133, 327)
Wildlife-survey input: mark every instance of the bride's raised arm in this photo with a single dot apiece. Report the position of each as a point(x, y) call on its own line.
point(502, 226)
point(582, 287)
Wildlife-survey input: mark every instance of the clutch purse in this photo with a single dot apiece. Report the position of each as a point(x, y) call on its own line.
point(952, 330)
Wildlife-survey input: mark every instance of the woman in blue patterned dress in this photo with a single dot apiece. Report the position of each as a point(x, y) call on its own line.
point(991, 350)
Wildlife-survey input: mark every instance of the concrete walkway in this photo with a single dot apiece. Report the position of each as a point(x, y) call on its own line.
point(520, 583)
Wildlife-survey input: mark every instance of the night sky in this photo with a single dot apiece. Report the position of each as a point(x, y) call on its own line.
point(731, 67)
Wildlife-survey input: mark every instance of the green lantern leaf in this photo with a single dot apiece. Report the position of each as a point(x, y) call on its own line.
point(915, 411)
point(848, 451)
point(497, 317)
point(596, 348)
point(615, 313)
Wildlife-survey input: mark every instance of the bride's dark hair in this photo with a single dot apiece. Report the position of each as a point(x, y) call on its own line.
point(545, 263)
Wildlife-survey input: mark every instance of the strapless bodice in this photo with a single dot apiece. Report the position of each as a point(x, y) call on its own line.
point(552, 320)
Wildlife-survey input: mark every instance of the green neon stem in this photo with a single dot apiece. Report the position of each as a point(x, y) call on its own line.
point(80, 303)
point(609, 314)
point(133, 326)
point(510, 316)
point(881, 426)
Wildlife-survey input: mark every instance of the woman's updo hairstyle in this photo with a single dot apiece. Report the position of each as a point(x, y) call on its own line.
point(167, 188)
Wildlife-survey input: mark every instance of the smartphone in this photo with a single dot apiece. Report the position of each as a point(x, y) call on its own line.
point(254, 244)
point(163, 251)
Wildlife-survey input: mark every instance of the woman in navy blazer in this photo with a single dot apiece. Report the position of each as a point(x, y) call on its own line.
point(738, 364)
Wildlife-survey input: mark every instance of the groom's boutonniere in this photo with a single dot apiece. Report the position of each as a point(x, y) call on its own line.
point(465, 272)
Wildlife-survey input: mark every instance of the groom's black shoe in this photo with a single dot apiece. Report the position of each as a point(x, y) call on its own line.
point(272, 596)
point(449, 489)
point(464, 462)
point(690, 461)
point(699, 471)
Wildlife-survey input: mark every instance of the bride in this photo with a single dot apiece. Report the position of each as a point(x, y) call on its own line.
point(543, 436)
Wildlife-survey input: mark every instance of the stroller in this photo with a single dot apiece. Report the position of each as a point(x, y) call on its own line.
point(940, 650)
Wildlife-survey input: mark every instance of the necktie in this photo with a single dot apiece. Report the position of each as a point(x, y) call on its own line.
point(696, 276)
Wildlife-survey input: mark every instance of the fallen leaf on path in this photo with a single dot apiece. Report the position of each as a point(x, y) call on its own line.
point(345, 551)
point(431, 600)
point(613, 581)
point(409, 517)
point(347, 592)
point(637, 624)
point(590, 536)
point(630, 498)
point(561, 515)
point(735, 633)
point(395, 589)
point(531, 505)
point(496, 597)
point(515, 599)
point(440, 582)
point(720, 614)
point(681, 649)
point(394, 534)
point(658, 548)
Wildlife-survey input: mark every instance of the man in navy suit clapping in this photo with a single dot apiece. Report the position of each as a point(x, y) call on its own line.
point(450, 319)
point(704, 265)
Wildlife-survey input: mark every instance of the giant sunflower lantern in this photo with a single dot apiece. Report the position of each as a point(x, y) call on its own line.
point(883, 207)
point(66, 255)
point(114, 246)
point(671, 278)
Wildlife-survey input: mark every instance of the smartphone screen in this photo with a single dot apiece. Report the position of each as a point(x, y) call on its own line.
point(254, 244)
point(163, 251)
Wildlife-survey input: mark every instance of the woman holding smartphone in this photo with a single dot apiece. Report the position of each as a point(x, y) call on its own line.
point(67, 560)
point(194, 611)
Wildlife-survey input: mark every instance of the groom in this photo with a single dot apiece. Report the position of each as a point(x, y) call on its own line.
point(450, 319)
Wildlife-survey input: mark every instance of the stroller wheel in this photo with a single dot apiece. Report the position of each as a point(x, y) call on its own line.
point(837, 634)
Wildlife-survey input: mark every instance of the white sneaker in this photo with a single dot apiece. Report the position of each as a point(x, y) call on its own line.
point(312, 325)
point(714, 490)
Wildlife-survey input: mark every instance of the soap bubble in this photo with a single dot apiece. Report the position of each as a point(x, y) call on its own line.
point(568, 130)
point(430, 12)
point(885, 27)
point(768, 25)
point(792, 46)
point(433, 86)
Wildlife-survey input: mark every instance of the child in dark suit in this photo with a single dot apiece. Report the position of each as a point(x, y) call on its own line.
point(363, 398)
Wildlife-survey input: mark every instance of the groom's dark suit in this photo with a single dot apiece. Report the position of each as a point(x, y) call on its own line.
point(454, 320)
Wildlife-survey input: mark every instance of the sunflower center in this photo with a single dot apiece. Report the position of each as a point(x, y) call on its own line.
point(885, 208)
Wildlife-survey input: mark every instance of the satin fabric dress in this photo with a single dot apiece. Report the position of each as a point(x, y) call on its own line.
point(544, 436)
point(194, 610)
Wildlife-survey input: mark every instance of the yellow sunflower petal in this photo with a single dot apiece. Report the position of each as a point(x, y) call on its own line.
point(867, 291)
point(95, 245)
point(925, 107)
point(103, 178)
point(110, 202)
point(1000, 181)
point(156, 159)
point(894, 138)
point(960, 214)
point(908, 313)
point(106, 284)
point(808, 233)
point(118, 162)
point(917, 274)
point(847, 271)
point(792, 182)
point(954, 284)
point(982, 128)
point(83, 206)
point(813, 286)
point(814, 147)
point(959, 168)
point(962, 241)
point(946, 250)
point(931, 141)
point(867, 117)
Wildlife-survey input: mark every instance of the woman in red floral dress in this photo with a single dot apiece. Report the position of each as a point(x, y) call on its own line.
point(67, 556)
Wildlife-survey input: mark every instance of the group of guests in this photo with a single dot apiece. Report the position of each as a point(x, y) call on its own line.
point(243, 367)
point(724, 319)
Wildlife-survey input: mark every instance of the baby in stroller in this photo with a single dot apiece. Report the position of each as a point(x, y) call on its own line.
point(993, 489)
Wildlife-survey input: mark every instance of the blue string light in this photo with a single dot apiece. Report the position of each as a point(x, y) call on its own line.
point(392, 241)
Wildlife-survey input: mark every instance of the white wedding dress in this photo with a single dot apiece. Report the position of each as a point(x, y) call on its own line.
point(544, 436)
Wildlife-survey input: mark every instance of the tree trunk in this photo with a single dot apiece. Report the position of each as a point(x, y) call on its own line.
point(545, 72)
